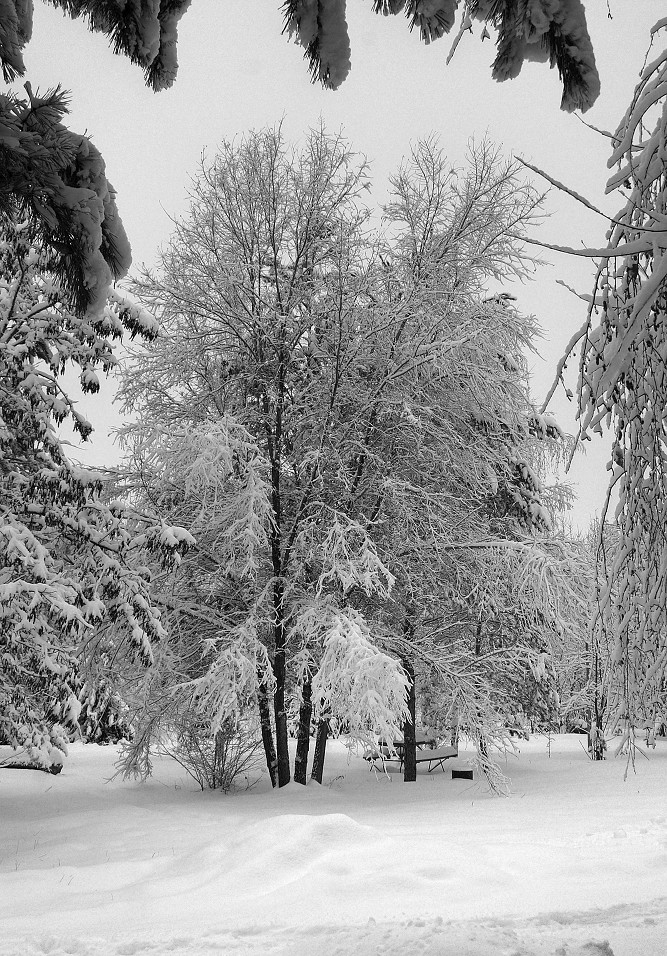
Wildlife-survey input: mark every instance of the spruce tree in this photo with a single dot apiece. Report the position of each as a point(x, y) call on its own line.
point(68, 555)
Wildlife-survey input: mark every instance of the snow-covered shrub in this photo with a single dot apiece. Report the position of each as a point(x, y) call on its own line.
point(230, 757)
point(170, 721)
point(198, 702)
point(103, 718)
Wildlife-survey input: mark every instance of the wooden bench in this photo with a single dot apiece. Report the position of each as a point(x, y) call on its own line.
point(434, 758)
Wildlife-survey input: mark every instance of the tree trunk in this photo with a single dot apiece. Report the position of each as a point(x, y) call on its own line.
point(320, 750)
point(597, 745)
point(409, 745)
point(484, 749)
point(454, 729)
point(279, 568)
point(478, 639)
point(217, 777)
point(279, 670)
point(267, 733)
point(303, 738)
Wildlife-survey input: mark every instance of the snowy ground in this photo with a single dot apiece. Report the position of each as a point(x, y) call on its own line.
point(574, 863)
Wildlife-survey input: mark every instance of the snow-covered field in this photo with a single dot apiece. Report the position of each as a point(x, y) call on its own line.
point(574, 863)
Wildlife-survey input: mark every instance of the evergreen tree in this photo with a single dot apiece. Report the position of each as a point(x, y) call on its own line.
point(57, 179)
point(147, 33)
point(66, 554)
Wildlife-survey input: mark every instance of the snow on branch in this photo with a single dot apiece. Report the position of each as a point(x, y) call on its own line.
point(321, 27)
point(232, 679)
point(350, 559)
point(358, 683)
point(622, 384)
point(64, 189)
point(147, 33)
point(212, 477)
point(541, 30)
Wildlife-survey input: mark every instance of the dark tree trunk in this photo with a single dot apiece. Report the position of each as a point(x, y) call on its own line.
point(280, 714)
point(320, 750)
point(54, 768)
point(267, 733)
point(596, 742)
point(303, 738)
point(409, 745)
point(597, 745)
point(275, 442)
point(217, 776)
point(454, 729)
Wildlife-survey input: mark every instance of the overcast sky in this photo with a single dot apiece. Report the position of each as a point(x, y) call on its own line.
point(237, 72)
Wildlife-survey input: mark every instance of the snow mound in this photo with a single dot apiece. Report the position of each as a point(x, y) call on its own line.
point(284, 850)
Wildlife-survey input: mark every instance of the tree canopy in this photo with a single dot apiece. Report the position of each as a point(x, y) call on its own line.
point(342, 419)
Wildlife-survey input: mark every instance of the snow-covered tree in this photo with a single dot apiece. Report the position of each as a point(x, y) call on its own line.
point(258, 290)
point(622, 385)
point(147, 33)
point(58, 179)
point(66, 555)
point(337, 416)
point(452, 234)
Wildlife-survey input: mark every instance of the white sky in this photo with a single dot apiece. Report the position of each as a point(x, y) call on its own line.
point(237, 72)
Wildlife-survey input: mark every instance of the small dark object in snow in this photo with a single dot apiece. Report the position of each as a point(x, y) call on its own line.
point(461, 774)
point(54, 768)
